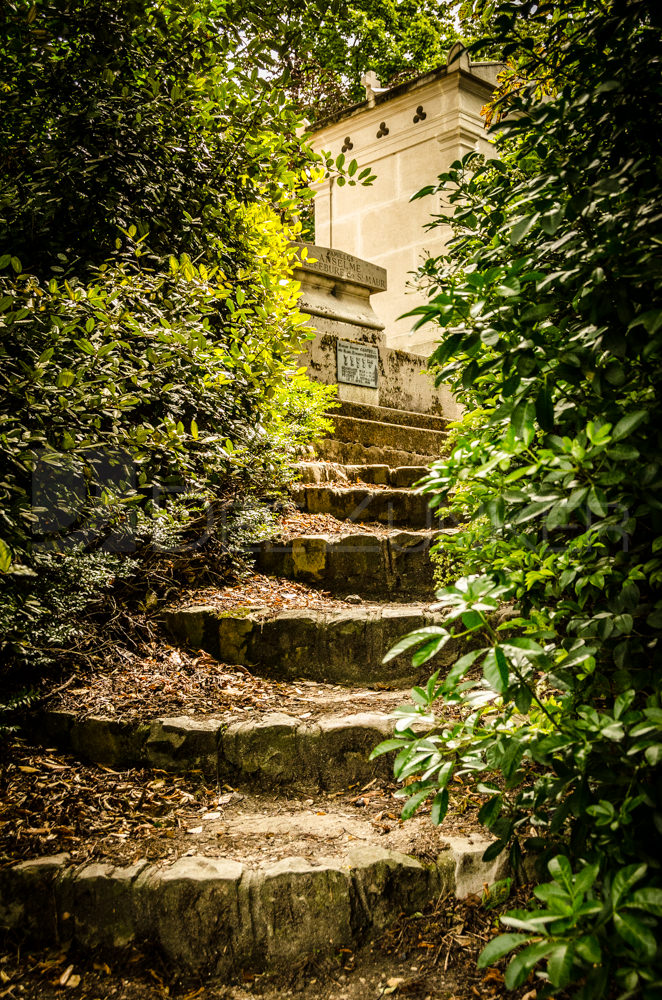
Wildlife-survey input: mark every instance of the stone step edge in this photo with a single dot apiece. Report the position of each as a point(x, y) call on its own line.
point(395, 567)
point(390, 414)
point(348, 453)
point(275, 751)
point(399, 476)
point(340, 645)
point(396, 430)
point(388, 505)
point(215, 916)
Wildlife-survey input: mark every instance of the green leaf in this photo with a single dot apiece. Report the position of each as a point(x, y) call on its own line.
point(414, 802)
point(459, 668)
point(520, 967)
point(521, 421)
point(646, 899)
point(561, 871)
point(545, 408)
point(494, 850)
point(440, 806)
point(560, 964)
point(626, 425)
point(5, 557)
point(386, 746)
point(498, 947)
point(522, 227)
point(624, 880)
point(597, 502)
point(415, 639)
point(635, 933)
point(495, 670)
point(490, 810)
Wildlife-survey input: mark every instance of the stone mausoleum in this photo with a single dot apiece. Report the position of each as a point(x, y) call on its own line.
point(354, 281)
point(408, 136)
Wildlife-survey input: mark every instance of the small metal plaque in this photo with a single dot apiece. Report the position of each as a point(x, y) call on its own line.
point(357, 364)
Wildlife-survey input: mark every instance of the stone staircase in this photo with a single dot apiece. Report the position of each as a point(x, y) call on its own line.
point(290, 869)
point(369, 435)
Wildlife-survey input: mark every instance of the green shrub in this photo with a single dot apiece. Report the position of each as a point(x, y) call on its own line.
point(149, 330)
point(549, 310)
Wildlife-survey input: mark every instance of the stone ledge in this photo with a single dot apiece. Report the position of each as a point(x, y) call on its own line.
point(214, 915)
point(360, 504)
point(351, 453)
point(401, 477)
point(275, 751)
point(397, 566)
point(339, 646)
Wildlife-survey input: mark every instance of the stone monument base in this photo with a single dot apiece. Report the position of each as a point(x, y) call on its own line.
point(350, 346)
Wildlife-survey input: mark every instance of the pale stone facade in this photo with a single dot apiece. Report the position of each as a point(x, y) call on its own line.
point(408, 136)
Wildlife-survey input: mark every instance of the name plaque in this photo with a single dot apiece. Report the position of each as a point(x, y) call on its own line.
point(357, 364)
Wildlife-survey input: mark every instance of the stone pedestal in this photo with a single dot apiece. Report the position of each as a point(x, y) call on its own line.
point(335, 292)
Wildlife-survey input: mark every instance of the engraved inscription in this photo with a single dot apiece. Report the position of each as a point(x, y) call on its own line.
point(357, 364)
point(337, 264)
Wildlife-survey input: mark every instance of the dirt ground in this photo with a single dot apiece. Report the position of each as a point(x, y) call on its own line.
point(50, 802)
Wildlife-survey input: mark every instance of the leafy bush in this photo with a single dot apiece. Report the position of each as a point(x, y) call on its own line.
point(551, 323)
point(149, 330)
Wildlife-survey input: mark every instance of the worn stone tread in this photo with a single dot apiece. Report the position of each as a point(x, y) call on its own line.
point(360, 503)
point(396, 566)
point(378, 475)
point(338, 646)
point(381, 434)
point(215, 915)
point(353, 453)
point(273, 751)
point(390, 415)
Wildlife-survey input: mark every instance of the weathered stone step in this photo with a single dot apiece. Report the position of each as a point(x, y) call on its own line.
point(361, 503)
point(351, 453)
point(342, 646)
point(214, 915)
point(373, 433)
point(401, 477)
point(274, 751)
point(396, 566)
point(389, 415)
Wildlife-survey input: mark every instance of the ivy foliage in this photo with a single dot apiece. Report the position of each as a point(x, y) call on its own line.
point(150, 177)
point(549, 312)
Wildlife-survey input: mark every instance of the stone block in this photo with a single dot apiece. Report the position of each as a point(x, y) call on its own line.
point(309, 557)
point(181, 744)
point(233, 638)
point(191, 909)
point(357, 562)
point(28, 897)
point(265, 750)
point(385, 883)
point(103, 905)
point(344, 745)
point(471, 872)
point(115, 742)
point(194, 626)
point(406, 476)
point(297, 908)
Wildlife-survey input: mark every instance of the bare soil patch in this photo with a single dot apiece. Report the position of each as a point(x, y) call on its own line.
point(292, 525)
point(52, 803)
